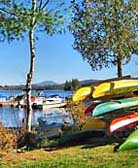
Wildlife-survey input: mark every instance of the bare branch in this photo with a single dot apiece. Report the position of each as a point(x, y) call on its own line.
point(12, 13)
point(8, 12)
point(40, 5)
point(45, 4)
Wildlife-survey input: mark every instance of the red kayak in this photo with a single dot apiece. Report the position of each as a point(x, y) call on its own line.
point(126, 121)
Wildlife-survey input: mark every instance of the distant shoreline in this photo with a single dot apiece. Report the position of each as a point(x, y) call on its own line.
point(45, 87)
point(34, 87)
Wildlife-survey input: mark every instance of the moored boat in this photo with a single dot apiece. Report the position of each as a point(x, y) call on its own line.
point(53, 101)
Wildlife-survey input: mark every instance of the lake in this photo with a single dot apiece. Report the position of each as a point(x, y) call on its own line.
point(13, 117)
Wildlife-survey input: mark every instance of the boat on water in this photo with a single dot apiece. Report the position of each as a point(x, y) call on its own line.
point(20, 100)
point(53, 101)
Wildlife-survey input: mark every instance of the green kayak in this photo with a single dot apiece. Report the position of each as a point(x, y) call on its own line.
point(130, 143)
point(115, 106)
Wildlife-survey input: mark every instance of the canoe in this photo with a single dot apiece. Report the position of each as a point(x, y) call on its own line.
point(122, 122)
point(113, 88)
point(115, 106)
point(90, 108)
point(131, 142)
point(94, 124)
point(82, 94)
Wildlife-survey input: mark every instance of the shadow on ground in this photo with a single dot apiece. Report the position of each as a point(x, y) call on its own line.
point(88, 139)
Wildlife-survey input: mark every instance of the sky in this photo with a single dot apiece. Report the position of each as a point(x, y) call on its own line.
point(56, 60)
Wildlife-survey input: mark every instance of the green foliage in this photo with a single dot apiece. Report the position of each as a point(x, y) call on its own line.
point(105, 31)
point(67, 85)
point(73, 85)
point(15, 18)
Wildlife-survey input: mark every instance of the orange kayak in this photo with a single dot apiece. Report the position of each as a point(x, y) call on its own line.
point(125, 121)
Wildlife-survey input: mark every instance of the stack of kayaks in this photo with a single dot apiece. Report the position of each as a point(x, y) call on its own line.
point(112, 101)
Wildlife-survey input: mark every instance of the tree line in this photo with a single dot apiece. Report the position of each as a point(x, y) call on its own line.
point(72, 85)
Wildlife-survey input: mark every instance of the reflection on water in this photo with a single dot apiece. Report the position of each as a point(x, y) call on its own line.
point(13, 117)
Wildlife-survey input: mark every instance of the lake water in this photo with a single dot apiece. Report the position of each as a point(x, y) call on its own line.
point(13, 117)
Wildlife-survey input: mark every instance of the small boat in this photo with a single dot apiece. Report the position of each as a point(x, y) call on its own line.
point(82, 94)
point(130, 143)
point(117, 106)
point(123, 122)
point(53, 101)
point(118, 87)
point(20, 100)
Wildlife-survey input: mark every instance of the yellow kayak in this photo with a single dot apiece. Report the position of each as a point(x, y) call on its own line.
point(112, 88)
point(82, 94)
point(94, 124)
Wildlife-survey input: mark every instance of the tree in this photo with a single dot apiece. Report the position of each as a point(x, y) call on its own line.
point(67, 85)
point(75, 84)
point(105, 32)
point(28, 18)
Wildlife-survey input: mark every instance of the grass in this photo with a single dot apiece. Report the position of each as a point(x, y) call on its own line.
point(71, 157)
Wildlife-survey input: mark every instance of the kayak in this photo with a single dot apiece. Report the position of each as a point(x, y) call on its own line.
point(94, 124)
point(122, 122)
point(90, 108)
point(115, 106)
point(131, 142)
point(82, 94)
point(112, 88)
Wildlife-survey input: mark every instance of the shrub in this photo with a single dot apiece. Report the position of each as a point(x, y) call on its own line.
point(7, 140)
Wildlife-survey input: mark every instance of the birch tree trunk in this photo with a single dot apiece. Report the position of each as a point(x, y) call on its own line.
point(31, 70)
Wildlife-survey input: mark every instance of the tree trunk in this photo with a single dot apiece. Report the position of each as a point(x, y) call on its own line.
point(119, 67)
point(31, 71)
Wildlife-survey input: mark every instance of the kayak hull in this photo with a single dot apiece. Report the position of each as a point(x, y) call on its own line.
point(131, 142)
point(112, 88)
point(94, 124)
point(82, 94)
point(115, 106)
point(89, 109)
point(124, 122)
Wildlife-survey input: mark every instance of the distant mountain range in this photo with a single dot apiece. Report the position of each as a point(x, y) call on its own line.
point(52, 83)
point(46, 83)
